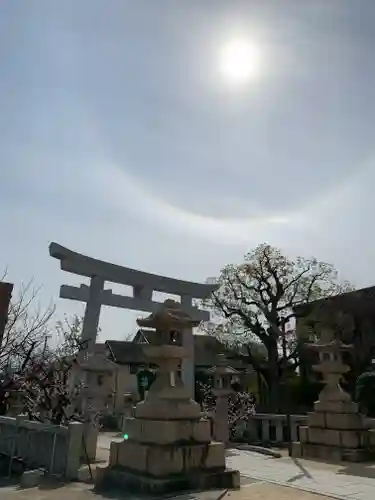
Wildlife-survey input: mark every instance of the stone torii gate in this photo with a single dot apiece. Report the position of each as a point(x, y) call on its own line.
point(143, 284)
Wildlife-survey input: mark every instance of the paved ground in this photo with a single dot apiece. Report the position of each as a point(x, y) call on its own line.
point(263, 478)
point(257, 491)
point(349, 481)
point(344, 482)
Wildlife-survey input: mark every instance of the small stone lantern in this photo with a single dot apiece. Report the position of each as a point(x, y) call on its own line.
point(335, 430)
point(222, 389)
point(332, 368)
point(222, 377)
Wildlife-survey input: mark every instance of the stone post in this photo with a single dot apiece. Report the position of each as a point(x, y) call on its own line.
point(90, 434)
point(73, 454)
point(252, 431)
point(221, 422)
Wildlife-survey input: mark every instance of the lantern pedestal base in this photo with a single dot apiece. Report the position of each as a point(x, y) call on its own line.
point(335, 431)
point(164, 455)
point(132, 482)
point(160, 468)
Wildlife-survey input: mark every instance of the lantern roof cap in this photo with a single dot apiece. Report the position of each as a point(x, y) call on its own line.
point(170, 315)
point(221, 367)
point(224, 370)
point(334, 345)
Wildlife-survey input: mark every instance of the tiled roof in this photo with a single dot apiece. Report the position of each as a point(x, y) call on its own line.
point(100, 349)
point(206, 348)
point(124, 352)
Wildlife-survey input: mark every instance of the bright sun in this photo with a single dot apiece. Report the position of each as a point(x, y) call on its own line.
point(239, 61)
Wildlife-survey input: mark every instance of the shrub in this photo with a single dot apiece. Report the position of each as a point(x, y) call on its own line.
point(364, 393)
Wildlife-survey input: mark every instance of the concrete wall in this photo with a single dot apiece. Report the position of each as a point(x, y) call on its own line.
point(54, 448)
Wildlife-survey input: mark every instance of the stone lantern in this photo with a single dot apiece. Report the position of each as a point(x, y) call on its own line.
point(168, 444)
point(95, 397)
point(222, 388)
point(332, 368)
point(335, 430)
point(167, 396)
point(222, 375)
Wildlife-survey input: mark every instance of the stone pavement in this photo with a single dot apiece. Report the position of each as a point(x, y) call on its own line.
point(257, 491)
point(334, 481)
point(263, 478)
point(347, 482)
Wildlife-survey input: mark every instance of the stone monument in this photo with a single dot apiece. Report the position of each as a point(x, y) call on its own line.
point(169, 444)
point(335, 430)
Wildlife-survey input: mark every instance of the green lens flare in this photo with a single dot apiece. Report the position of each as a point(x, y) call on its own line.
point(126, 436)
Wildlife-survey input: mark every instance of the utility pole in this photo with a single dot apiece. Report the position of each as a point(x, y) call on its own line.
point(5, 296)
point(48, 336)
point(286, 397)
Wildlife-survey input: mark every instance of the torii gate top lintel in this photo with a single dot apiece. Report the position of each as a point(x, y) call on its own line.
point(83, 265)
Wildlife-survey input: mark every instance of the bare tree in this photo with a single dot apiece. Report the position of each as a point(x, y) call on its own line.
point(25, 336)
point(27, 329)
point(68, 333)
point(240, 406)
point(39, 371)
point(257, 302)
point(49, 390)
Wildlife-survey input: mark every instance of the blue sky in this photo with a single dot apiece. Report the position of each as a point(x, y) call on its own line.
point(120, 139)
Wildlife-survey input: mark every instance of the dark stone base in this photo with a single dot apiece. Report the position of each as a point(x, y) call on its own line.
point(329, 453)
point(118, 477)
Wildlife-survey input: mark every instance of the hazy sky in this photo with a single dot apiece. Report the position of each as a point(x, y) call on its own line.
point(121, 139)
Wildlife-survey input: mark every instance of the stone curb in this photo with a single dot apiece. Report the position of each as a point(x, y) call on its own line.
point(296, 487)
point(259, 449)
